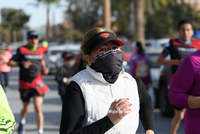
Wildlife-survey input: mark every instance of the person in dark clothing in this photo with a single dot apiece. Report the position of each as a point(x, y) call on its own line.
point(103, 98)
point(65, 72)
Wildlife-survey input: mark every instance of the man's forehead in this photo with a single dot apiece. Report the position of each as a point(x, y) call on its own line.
point(186, 25)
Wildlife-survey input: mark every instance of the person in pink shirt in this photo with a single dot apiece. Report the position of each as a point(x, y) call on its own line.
point(4, 68)
point(184, 91)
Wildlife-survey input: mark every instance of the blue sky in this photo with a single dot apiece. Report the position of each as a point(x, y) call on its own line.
point(38, 14)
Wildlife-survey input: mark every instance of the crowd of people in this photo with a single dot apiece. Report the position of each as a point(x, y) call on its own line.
point(99, 96)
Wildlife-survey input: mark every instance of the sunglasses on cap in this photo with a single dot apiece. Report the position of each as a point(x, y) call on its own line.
point(33, 37)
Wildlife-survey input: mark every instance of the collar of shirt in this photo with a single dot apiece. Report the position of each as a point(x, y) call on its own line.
point(184, 42)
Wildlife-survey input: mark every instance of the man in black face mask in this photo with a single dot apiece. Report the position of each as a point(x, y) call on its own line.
point(103, 98)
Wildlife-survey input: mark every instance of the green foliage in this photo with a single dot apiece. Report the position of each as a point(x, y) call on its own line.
point(73, 35)
point(48, 4)
point(163, 3)
point(83, 13)
point(163, 22)
point(121, 11)
point(161, 16)
point(48, 1)
point(13, 19)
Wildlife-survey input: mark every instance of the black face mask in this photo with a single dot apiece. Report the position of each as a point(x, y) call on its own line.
point(108, 63)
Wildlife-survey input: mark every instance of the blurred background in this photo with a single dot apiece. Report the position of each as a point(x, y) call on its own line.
point(68, 20)
point(62, 23)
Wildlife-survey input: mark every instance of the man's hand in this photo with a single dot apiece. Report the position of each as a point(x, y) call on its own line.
point(45, 70)
point(27, 64)
point(173, 62)
point(68, 80)
point(12, 63)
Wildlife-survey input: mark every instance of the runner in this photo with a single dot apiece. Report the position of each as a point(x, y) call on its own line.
point(30, 60)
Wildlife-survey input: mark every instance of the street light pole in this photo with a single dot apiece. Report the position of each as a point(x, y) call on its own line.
point(107, 14)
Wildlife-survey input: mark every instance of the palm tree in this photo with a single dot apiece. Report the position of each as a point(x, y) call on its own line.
point(13, 21)
point(106, 13)
point(139, 21)
point(48, 4)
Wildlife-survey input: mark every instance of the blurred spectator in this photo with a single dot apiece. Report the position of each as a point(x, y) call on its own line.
point(140, 65)
point(65, 72)
point(4, 68)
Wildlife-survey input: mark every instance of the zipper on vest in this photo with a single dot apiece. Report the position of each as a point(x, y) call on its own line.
point(112, 91)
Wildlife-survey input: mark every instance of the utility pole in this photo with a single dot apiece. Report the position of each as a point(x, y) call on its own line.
point(106, 13)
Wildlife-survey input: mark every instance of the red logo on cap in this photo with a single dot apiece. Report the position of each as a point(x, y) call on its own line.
point(105, 35)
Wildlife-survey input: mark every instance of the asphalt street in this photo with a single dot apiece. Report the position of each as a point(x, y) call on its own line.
point(52, 110)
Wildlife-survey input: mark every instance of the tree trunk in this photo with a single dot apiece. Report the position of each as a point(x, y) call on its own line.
point(107, 14)
point(7, 35)
point(132, 18)
point(48, 29)
point(11, 35)
point(139, 21)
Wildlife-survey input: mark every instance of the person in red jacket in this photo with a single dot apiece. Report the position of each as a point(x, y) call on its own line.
point(30, 59)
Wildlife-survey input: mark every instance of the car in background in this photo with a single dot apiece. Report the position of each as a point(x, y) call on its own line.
point(153, 53)
point(156, 42)
point(54, 54)
point(160, 80)
point(128, 49)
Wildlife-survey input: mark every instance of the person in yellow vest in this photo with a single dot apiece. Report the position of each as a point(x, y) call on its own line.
point(7, 119)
